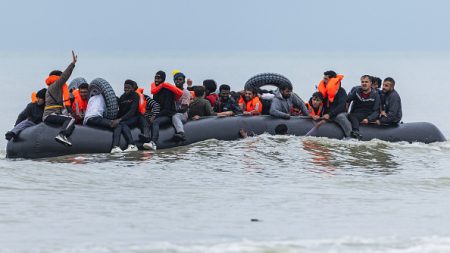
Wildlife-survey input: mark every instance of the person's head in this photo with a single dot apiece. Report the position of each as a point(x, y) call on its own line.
point(388, 84)
point(83, 89)
point(160, 77)
point(327, 75)
point(376, 82)
point(249, 94)
point(40, 96)
point(52, 77)
point(285, 90)
point(210, 86)
point(199, 91)
point(281, 129)
point(224, 91)
point(366, 83)
point(179, 79)
point(316, 99)
point(128, 86)
point(55, 73)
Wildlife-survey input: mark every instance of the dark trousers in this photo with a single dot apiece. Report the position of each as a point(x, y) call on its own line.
point(106, 123)
point(22, 125)
point(155, 126)
point(67, 122)
point(355, 118)
point(138, 121)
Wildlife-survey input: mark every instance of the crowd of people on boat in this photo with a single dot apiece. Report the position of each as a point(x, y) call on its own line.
point(374, 101)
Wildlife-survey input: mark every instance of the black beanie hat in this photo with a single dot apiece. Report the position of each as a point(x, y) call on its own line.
point(161, 74)
point(132, 83)
point(41, 93)
point(55, 73)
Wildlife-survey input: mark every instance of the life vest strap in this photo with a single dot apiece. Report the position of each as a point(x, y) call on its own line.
point(53, 107)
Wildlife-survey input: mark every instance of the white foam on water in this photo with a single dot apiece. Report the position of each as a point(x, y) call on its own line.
point(432, 244)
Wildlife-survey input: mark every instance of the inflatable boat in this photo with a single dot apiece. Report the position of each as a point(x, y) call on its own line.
point(39, 142)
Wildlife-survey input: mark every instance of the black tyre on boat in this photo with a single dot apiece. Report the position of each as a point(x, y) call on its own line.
point(101, 86)
point(267, 79)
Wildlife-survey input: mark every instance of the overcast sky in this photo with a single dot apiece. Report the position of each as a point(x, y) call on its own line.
point(229, 25)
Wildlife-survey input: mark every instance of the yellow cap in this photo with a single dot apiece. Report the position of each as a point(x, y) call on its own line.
point(176, 71)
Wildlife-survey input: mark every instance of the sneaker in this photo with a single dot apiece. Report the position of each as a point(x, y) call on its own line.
point(116, 150)
point(150, 145)
point(179, 136)
point(10, 135)
point(63, 139)
point(131, 148)
point(356, 135)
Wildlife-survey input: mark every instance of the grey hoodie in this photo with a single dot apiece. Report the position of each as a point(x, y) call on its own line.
point(281, 107)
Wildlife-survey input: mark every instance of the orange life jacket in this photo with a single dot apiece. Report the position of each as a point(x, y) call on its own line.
point(79, 105)
point(142, 101)
point(65, 90)
point(252, 105)
point(33, 97)
point(313, 112)
point(329, 91)
point(174, 89)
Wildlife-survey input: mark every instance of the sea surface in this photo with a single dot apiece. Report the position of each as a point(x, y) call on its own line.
point(261, 194)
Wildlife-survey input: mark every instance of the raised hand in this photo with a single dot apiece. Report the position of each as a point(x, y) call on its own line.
point(74, 57)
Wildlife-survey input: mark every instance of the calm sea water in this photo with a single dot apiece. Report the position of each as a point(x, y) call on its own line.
point(262, 194)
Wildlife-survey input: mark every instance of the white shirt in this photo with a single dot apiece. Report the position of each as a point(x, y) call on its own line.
point(95, 108)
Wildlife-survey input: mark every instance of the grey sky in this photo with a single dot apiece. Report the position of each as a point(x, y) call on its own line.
point(232, 25)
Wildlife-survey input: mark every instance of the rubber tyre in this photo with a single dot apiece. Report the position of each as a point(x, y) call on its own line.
point(76, 82)
point(267, 79)
point(101, 86)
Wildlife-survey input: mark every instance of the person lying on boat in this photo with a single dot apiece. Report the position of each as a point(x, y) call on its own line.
point(226, 105)
point(30, 116)
point(181, 107)
point(366, 105)
point(250, 103)
point(79, 102)
point(165, 94)
point(57, 102)
point(200, 107)
point(391, 104)
point(283, 101)
point(315, 106)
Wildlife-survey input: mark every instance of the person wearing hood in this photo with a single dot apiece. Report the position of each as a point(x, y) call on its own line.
point(283, 102)
point(58, 108)
point(30, 116)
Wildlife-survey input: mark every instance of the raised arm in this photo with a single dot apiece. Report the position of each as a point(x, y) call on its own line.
point(67, 73)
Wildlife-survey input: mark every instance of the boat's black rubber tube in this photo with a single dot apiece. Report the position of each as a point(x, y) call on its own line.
point(38, 141)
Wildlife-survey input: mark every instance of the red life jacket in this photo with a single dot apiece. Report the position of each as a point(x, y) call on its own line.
point(212, 98)
point(253, 105)
point(79, 105)
point(65, 89)
point(142, 101)
point(330, 90)
point(312, 111)
point(174, 89)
